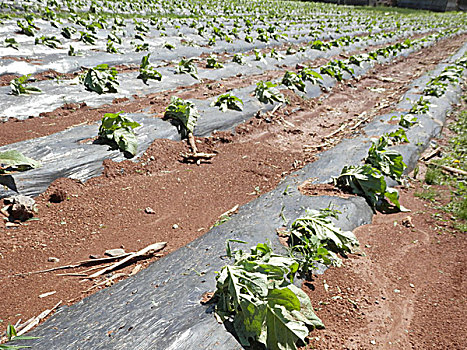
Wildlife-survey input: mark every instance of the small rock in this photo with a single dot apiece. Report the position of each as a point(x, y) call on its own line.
point(397, 291)
point(53, 259)
point(149, 210)
point(411, 285)
point(114, 252)
point(11, 224)
point(20, 207)
point(373, 342)
point(94, 256)
point(58, 196)
point(407, 222)
point(175, 226)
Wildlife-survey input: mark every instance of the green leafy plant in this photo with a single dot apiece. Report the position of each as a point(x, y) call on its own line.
point(11, 161)
point(185, 112)
point(397, 137)
point(336, 69)
point(345, 40)
point(218, 32)
point(256, 294)
point(266, 92)
point(93, 27)
point(139, 36)
point(449, 74)
point(293, 80)
point(72, 51)
point(291, 51)
point(110, 47)
point(383, 51)
point(113, 37)
point(259, 56)
point(264, 37)
point(11, 42)
point(141, 27)
point(435, 88)
point(87, 38)
point(141, 47)
point(368, 182)
point(117, 130)
point(67, 32)
point(168, 46)
point(319, 45)
point(389, 162)
point(49, 41)
point(213, 63)
point(146, 71)
point(276, 55)
point(239, 58)
point(19, 87)
point(26, 28)
point(317, 239)
point(234, 33)
point(406, 120)
point(11, 334)
point(277, 36)
point(308, 74)
point(309, 251)
point(186, 66)
point(359, 59)
point(228, 101)
point(421, 106)
point(101, 79)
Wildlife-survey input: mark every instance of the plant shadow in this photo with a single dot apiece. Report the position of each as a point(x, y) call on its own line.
point(229, 327)
point(8, 181)
point(112, 147)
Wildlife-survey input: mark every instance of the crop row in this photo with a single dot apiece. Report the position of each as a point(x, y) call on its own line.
point(54, 32)
point(106, 79)
point(256, 292)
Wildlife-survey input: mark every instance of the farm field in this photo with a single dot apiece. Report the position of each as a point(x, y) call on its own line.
point(281, 125)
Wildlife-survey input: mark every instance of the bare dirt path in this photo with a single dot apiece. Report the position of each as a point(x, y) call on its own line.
point(187, 199)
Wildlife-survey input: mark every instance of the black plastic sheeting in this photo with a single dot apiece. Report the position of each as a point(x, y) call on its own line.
point(56, 93)
point(91, 55)
point(64, 154)
point(159, 308)
point(58, 59)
